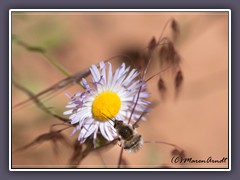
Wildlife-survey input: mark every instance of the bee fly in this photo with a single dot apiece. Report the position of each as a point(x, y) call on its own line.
point(131, 141)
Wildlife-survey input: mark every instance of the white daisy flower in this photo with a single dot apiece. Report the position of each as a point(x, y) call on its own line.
point(109, 96)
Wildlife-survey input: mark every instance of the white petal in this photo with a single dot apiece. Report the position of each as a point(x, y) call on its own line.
point(103, 73)
point(95, 137)
point(112, 130)
point(127, 99)
point(75, 119)
point(71, 105)
point(144, 94)
point(114, 81)
point(90, 130)
point(140, 108)
point(95, 73)
point(121, 115)
point(68, 95)
point(72, 116)
point(109, 75)
point(101, 64)
point(84, 114)
point(85, 84)
point(132, 75)
point(68, 112)
point(103, 131)
point(87, 108)
point(107, 126)
point(134, 85)
point(86, 131)
point(77, 94)
point(121, 70)
point(75, 130)
point(119, 82)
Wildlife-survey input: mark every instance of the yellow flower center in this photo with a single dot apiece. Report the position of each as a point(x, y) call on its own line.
point(106, 106)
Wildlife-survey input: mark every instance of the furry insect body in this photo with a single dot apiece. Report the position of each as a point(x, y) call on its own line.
point(130, 140)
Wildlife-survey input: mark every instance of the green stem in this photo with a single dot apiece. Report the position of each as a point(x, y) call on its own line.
point(54, 63)
point(42, 51)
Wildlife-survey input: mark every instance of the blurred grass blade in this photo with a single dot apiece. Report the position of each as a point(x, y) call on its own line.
point(59, 85)
point(43, 51)
point(37, 101)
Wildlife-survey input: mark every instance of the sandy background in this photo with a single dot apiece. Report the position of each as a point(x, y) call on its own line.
point(197, 120)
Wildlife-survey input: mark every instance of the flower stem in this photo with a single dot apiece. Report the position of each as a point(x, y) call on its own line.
point(55, 64)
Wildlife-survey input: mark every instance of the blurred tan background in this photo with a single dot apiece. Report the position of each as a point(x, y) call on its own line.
point(197, 120)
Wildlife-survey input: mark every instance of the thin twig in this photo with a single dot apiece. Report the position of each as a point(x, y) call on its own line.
point(120, 158)
point(166, 143)
point(37, 101)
